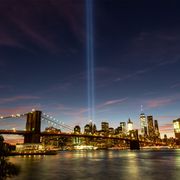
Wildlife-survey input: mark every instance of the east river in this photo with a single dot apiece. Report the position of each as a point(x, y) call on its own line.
point(101, 165)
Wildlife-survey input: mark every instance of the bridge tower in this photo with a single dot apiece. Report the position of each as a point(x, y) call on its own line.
point(33, 126)
point(134, 145)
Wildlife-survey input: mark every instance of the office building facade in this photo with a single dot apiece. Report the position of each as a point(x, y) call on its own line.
point(176, 124)
point(143, 124)
point(150, 127)
point(156, 129)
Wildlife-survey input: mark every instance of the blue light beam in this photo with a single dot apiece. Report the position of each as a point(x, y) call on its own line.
point(90, 60)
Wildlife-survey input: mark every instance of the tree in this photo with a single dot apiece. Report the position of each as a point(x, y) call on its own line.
point(7, 169)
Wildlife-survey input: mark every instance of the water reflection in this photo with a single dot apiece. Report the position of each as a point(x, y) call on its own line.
point(101, 165)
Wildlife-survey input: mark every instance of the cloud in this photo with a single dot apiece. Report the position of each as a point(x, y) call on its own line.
point(156, 46)
point(166, 117)
point(6, 40)
point(74, 115)
point(62, 107)
point(13, 140)
point(18, 109)
point(132, 75)
point(60, 87)
point(153, 49)
point(159, 102)
point(167, 128)
point(146, 70)
point(102, 111)
point(112, 102)
point(116, 101)
point(17, 123)
point(35, 36)
point(73, 14)
point(5, 86)
point(176, 85)
point(78, 115)
point(24, 23)
point(162, 101)
point(168, 62)
point(66, 83)
point(76, 111)
point(17, 98)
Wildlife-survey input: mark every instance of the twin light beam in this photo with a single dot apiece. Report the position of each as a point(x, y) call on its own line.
point(90, 60)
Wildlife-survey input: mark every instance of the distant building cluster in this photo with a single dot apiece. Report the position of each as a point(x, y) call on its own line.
point(105, 137)
point(149, 129)
point(147, 134)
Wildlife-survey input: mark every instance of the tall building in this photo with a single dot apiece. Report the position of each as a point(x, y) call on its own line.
point(129, 125)
point(90, 128)
point(52, 129)
point(87, 129)
point(77, 129)
point(150, 126)
point(51, 140)
point(111, 130)
point(156, 129)
point(143, 124)
point(94, 129)
point(105, 126)
point(176, 124)
point(123, 127)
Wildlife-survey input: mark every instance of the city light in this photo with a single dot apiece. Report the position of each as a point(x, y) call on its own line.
point(106, 137)
point(176, 125)
point(14, 129)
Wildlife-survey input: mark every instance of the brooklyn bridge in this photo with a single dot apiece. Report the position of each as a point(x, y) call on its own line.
point(33, 134)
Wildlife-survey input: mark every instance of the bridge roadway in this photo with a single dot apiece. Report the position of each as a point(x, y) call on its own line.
point(63, 134)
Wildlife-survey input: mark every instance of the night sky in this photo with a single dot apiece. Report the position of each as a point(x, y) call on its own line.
point(136, 57)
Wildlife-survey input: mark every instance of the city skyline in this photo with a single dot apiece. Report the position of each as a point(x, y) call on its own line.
point(148, 126)
point(34, 119)
point(136, 61)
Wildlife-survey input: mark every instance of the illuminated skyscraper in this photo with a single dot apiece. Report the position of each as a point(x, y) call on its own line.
point(111, 130)
point(150, 126)
point(77, 129)
point(156, 129)
point(94, 129)
point(105, 126)
point(176, 124)
point(143, 124)
point(123, 127)
point(87, 129)
point(90, 128)
point(129, 125)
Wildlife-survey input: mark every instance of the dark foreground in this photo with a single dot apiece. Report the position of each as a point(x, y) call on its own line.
point(100, 165)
